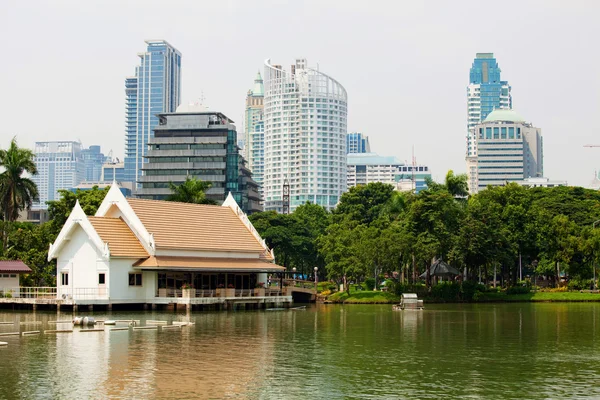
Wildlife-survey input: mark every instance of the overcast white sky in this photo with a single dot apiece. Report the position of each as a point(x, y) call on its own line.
point(405, 65)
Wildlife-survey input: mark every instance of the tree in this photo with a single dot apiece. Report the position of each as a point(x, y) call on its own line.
point(363, 204)
point(16, 192)
point(59, 210)
point(191, 191)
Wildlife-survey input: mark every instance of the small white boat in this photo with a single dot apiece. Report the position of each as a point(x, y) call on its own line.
point(110, 322)
point(409, 301)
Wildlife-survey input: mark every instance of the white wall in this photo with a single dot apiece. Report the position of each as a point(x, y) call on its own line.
point(78, 257)
point(119, 281)
point(6, 283)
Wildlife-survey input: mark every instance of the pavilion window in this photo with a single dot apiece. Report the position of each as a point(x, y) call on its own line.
point(135, 279)
point(64, 279)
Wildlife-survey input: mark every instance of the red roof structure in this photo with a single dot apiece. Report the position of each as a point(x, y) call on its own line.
point(17, 266)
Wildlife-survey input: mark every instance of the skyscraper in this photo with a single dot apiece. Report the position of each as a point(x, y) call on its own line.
point(356, 142)
point(508, 150)
point(93, 159)
point(194, 142)
point(60, 165)
point(254, 130)
point(155, 88)
point(305, 137)
point(485, 93)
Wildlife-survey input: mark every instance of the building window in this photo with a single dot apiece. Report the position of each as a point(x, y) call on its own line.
point(135, 279)
point(64, 278)
point(101, 279)
point(13, 275)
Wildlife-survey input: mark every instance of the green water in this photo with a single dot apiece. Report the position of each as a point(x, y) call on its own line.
point(505, 351)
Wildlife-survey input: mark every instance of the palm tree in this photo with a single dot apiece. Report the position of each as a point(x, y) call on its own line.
point(191, 191)
point(16, 192)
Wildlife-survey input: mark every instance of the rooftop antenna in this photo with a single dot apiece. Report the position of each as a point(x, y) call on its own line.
point(413, 183)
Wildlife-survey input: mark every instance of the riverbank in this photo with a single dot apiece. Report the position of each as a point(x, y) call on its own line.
point(372, 297)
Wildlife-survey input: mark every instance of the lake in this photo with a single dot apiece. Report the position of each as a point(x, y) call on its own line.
point(486, 351)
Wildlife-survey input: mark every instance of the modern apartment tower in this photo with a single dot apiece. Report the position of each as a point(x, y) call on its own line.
point(254, 130)
point(155, 89)
point(306, 115)
point(356, 142)
point(486, 92)
point(508, 149)
point(202, 144)
point(60, 165)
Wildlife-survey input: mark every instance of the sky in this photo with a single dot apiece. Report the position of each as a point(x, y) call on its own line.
point(405, 66)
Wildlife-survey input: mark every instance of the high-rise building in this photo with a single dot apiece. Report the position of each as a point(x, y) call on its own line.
point(356, 142)
point(254, 130)
point(365, 168)
point(113, 171)
point(202, 144)
point(306, 115)
point(60, 165)
point(508, 149)
point(93, 158)
point(485, 93)
point(155, 89)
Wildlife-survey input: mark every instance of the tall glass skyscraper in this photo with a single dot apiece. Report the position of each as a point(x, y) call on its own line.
point(306, 116)
point(93, 159)
point(155, 88)
point(254, 143)
point(485, 93)
point(356, 142)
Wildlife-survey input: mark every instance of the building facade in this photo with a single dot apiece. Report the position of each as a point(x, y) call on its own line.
point(306, 115)
point(155, 89)
point(254, 130)
point(508, 150)
point(135, 251)
point(60, 165)
point(542, 182)
point(113, 171)
point(93, 158)
point(485, 93)
point(365, 168)
point(356, 142)
point(201, 144)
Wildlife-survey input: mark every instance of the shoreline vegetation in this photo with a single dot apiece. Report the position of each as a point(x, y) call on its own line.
point(380, 297)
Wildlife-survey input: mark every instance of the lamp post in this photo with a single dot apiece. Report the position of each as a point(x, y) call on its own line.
point(593, 259)
point(294, 276)
point(316, 279)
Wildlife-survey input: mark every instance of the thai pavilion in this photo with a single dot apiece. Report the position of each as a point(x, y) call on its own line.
point(137, 251)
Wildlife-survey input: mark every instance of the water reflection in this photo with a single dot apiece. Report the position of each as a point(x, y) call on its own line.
point(328, 351)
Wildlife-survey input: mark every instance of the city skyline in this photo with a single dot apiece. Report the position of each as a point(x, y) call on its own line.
point(393, 106)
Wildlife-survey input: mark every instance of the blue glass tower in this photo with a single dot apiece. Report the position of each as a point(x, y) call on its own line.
point(356, 142)
point(155, 88)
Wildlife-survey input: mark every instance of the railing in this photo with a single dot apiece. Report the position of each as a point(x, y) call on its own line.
point(67, 293)
point(28, 292)
point(178, 293)
point(300, 283)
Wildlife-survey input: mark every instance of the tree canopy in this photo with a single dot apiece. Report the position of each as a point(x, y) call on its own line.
point(191, 191)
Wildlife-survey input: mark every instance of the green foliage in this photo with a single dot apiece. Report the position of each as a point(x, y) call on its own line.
point(517, 290)
point(59, 210)
point(191, 191)
point(579, 284)
point(446, 292)
point(370, 283)
point(16, 192)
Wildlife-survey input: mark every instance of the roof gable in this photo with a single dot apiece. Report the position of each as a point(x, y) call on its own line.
point(120, 239)
point(185, 226)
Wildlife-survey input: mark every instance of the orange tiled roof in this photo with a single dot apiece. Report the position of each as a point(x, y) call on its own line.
point(194, 226)
point(121, 240)
point(209, 264)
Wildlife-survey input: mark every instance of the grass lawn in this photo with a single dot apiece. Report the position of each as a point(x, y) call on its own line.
point(540, 296)
point(364, 297)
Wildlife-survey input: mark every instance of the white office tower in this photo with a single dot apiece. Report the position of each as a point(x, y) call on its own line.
point(306, 115)
point(60, 166)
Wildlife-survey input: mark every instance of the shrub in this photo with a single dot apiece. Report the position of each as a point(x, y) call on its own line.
point(325, 293)
point(579, 284)
point(469, 289)
point(446, 291)
point(559, 289)
point(370, 283)
point(517, 290)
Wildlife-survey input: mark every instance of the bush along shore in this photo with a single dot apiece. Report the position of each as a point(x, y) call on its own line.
point(453, 292)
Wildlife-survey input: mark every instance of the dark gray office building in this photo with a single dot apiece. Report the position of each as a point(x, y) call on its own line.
point(201, 144)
